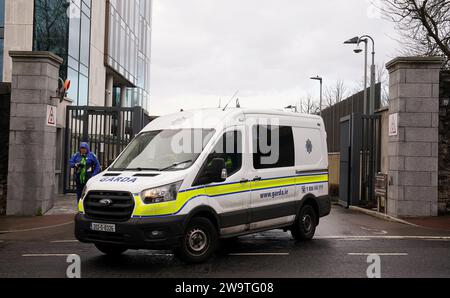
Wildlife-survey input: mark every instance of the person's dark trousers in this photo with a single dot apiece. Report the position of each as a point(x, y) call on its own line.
point(80, 188)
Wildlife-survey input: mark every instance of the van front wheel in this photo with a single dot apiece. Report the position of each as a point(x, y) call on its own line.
point(198, 242)
point(304, 227)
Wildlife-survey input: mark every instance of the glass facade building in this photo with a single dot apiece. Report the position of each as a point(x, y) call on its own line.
point(105, 46)
point(128, 47)
point(63, 27)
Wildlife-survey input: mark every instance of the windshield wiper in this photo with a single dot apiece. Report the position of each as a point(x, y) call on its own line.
point(174, 165)
point(139, 169)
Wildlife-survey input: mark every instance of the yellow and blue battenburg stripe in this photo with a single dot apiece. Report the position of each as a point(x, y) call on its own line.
point(222, 190)
point(80, 206)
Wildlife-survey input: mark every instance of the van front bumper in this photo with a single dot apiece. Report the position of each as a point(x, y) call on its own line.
point(136, 233)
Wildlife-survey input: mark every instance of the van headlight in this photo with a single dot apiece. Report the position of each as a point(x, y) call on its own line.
point(161, 194)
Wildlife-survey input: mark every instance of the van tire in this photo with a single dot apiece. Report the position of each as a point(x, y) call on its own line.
point(198, 242)
point(304, 227)
point(110, 250)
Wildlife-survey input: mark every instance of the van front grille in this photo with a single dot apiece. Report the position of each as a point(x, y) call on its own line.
point(109, 205)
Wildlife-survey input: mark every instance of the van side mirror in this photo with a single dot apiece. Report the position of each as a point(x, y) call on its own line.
point(218, 170)
point(215, 172)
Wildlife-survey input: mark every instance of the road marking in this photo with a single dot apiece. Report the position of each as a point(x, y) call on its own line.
point(378, 254)
point(36, 229)
point(378, 232)
point(64, 241)
point(386, 237)
point(444, 240)
point(160, 255)
point(259, 254)
point(355, 239)
point(268, 237)
point(45, 255)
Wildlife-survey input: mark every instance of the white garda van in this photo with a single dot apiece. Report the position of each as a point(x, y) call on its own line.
point(192, 178)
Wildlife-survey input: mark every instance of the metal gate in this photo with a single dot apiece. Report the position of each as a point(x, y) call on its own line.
point(344, 165)
point(108, 130)
point(360, 147)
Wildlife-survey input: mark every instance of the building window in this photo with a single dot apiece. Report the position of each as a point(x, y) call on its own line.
point(50, 26)
point(128, 52)
point(116, 97)
point(64, 28)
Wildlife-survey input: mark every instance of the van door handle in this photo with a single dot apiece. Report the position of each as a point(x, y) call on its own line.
point(257, 178)
point(243, 181)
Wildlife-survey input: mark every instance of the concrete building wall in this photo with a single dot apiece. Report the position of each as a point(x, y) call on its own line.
point(444, 143)
point(5, 103)
point(413, 151)
point(334, 160)
point(97, 74)
point(334, 163)
point(18, 31)
point(32, 151)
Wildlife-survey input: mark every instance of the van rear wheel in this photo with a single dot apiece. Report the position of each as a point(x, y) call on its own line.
point(110, 250)
point(198, 242)
point(304, 227)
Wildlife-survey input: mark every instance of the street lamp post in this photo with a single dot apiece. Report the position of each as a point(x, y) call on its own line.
point(368, 159)
point(366, 98)
point(370, 107)
point(320, 79)
point(372, 75)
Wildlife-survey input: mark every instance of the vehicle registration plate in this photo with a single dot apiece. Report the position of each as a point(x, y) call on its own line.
point(110, 228)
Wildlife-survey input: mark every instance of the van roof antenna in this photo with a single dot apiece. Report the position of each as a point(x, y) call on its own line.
point(235, 94)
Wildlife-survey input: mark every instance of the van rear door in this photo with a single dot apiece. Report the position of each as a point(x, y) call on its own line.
point(311, 163)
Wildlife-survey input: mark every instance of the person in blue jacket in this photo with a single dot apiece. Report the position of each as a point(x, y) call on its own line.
point(86, 166)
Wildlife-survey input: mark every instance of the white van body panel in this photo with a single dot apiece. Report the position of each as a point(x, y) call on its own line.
point(311, 160)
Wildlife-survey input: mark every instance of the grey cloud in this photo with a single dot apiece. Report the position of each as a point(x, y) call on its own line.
point(204, 50)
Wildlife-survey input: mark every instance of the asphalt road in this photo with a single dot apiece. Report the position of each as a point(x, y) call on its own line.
point(343, 241)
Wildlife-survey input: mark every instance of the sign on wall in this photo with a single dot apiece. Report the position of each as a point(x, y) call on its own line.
point(393, 125)
point(51, 116)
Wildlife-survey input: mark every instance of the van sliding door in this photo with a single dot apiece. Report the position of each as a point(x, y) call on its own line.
point(273, 180)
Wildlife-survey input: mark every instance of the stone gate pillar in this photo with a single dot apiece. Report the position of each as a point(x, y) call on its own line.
point(414, 136)
point(32, 151)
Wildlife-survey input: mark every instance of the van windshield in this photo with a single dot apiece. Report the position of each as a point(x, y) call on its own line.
point(164, 150)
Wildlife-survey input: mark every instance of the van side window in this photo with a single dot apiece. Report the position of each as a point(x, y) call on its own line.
point(270, 153)
point(229, 148)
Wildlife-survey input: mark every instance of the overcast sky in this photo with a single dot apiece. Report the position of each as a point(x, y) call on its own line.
point(204, 50)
